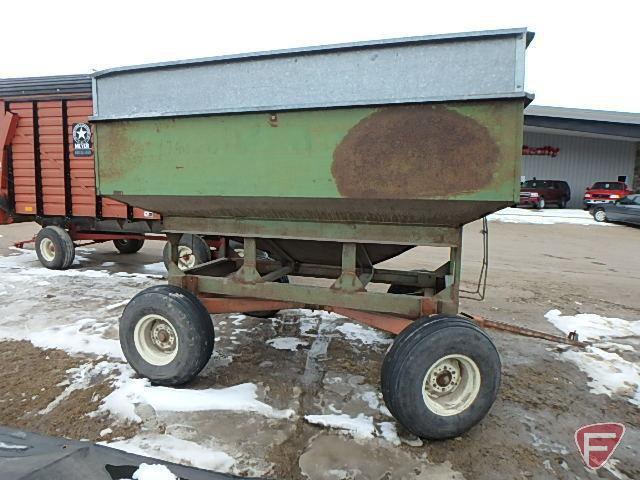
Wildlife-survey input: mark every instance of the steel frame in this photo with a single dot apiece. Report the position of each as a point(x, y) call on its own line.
point(233, 284)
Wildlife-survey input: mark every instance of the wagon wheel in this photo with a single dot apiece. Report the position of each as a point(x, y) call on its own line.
point(192, 250)
point(55, 248)
point(441, 376)
point(166, 335)
point(128, 246)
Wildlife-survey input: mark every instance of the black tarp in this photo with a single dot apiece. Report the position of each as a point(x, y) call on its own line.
point(29, 456)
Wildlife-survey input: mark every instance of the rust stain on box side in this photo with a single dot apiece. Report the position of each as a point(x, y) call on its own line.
point(418, 151)
point(116, 151)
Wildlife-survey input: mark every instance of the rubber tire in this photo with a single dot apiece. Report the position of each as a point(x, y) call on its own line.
point(268, 313)
point(604, 215)
point(127, 246)
point(414, 351)
point(562, 203)
point(541, 204)
point(403, 336)
point(198, 245)
point(65, 250)
point(192, 323)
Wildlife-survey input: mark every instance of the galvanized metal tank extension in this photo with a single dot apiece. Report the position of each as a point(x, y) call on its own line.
point(394, 136)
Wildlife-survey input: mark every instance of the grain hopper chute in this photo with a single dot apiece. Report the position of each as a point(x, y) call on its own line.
point(322, 162)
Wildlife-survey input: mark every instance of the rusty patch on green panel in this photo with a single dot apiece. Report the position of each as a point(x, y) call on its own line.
point(115, 144)
point(418, 151)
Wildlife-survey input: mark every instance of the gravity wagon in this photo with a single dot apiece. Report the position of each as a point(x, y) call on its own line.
point(331, 160)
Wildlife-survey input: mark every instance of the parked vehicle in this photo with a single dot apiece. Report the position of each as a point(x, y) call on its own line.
point(605, 192)
point(323, 200)
point(540, 193)
point(47, 171)
point(625, 210)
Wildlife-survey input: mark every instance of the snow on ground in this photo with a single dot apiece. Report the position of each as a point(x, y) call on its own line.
point(609, 373)
point(360, 427)
point(607, 370)
point(27, 264)
point(238, 398)
point(84, 305)
point(130, 391)
point(156, 268)
point(176, 450)
point(592, 327)
point(153, 472)
point(364, 334)
point(83, 336)
point(545, 217)
point(287, 343)
point(83, 308)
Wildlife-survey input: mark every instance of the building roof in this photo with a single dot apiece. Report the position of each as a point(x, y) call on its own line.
point(50, 86)
point(578, 121)
point(583, 114)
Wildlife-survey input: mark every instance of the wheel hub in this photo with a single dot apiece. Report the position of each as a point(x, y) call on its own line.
point(162, 336)
point(444, 378)
point(186, 258)
point(451, 385)
point(48, 249)
point(156, 339)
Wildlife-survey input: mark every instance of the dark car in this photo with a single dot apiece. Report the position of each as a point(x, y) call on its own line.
point(625, 210)
point(539, 193)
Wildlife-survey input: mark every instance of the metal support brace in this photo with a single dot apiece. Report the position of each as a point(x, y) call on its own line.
point(348, 281)
point(248, 273)
point(449, 297)
point(174, 270)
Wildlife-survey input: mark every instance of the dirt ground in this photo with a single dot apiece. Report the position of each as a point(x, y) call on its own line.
point(529, 432)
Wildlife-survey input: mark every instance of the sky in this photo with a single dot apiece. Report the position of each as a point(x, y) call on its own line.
point(585, 54)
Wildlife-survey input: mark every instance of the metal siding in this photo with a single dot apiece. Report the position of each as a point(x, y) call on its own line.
point(485, 65)
point(581, 161)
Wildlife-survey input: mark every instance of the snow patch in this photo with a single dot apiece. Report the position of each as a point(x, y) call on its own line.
point(608, 372)
point(591, 326)
point(156, 268)
point(241, 397)
point(287, 343)
point(366, 335)
point(129, 392)
point(371, 398)
point(389, 433)
point(153, 472)
point(80, 379)
point(360, 427)
point(176, 450)
point(27, 264)
point(83, 336)
point(545, 217)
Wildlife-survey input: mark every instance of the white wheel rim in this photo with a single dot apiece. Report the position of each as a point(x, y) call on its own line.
point(451, 385)
point(47, 249)
point(156, 340)
point(600, 215)
point(541, 204)
point(186, 258)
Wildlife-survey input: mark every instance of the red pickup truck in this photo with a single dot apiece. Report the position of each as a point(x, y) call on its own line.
point(605, 192)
